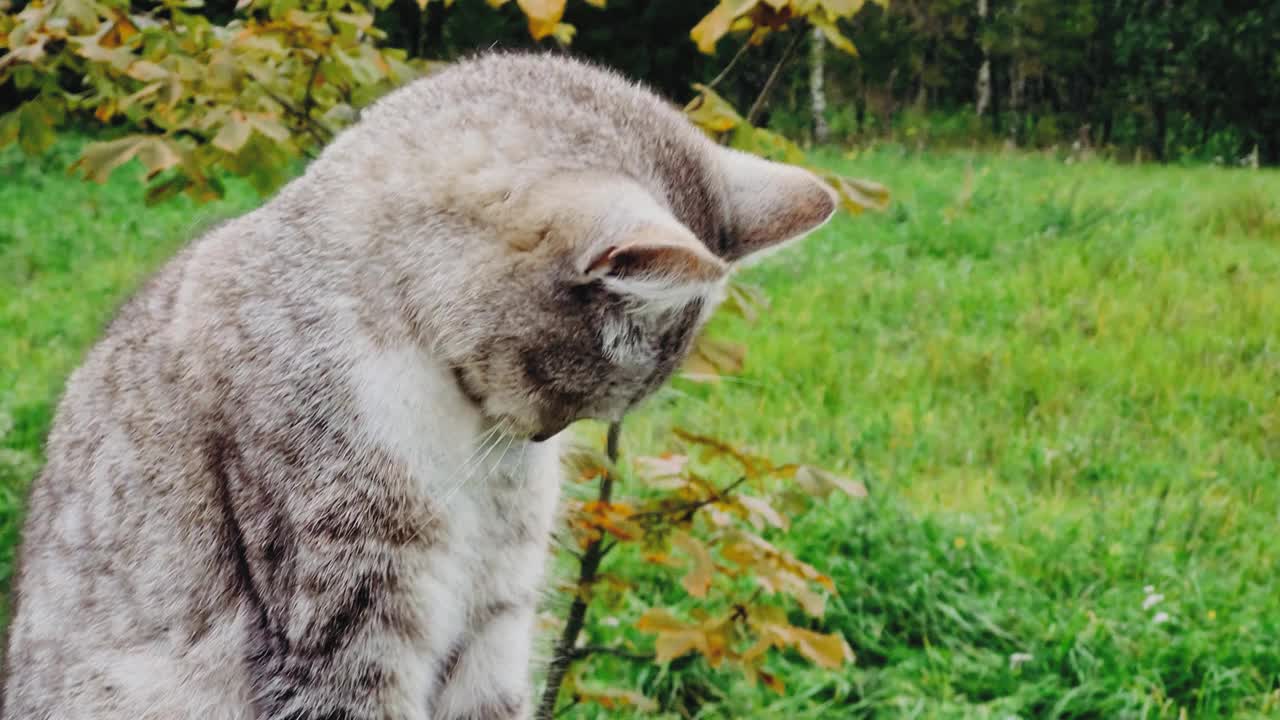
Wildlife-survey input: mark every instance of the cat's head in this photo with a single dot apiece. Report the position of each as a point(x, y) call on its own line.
point(607, 228)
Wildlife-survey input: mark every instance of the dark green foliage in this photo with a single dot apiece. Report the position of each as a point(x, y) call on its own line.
point(1197, 79)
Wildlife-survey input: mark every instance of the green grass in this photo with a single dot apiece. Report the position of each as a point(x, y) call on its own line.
point(1060, 382)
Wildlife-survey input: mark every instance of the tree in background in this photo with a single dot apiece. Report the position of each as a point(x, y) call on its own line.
point(1177, 79)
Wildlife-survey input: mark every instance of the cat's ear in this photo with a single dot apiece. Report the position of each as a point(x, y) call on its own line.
point(654, 263)
point(770, 203)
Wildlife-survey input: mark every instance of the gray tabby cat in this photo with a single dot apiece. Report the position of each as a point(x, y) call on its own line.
point(311, 471)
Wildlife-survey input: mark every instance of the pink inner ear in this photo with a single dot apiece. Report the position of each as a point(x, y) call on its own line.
point(644, 258)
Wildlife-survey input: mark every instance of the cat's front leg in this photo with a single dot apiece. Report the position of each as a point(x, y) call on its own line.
point(485, 676)
point(350, 647)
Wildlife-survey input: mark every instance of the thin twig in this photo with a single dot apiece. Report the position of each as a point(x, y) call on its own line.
point(320, 132)
point(758, 106)
point(308, 102)
point(607, 548)
point(687, 510)
point(732, 64)
point(588, 570)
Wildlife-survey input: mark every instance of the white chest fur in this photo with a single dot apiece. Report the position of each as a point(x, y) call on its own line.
point(495, 494)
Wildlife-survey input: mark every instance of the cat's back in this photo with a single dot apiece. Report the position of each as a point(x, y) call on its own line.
point(120, 554)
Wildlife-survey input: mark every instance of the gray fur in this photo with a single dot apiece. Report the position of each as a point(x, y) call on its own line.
point(309, 472)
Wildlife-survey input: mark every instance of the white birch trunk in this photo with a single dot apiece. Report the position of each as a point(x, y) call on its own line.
point(817, 86)
point(982, 92)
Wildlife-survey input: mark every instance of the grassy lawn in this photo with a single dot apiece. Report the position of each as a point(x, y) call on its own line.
point(1061, 383)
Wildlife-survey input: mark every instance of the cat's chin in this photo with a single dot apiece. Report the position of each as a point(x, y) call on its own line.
point(544, 434)
point(533, 431)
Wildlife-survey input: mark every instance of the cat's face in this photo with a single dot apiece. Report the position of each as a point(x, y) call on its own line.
point(581, 230)
point(607, 305)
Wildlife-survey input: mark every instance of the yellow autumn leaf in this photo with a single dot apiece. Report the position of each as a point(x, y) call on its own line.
point(674, 638)
point(763, 510)
point(842, 8)
point(710, 358)
point(158, 154)
point(827, 651)
point(670, 646)
point(697, 581)
point(820, 483)
point(656, 620)
point(614, 699)
point(833, 35)
point(234, 133)
point(99, 159)
point(814, 604)
point(664, 466)
point(543, 15)
point(119, 58)
point(857, 195)
point(269, 126)
point(563, 33)
point(711, 112)
point(711, 28)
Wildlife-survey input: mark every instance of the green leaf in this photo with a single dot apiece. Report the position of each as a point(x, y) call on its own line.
point(35, 127)
point(8, 128)
point(165, 189)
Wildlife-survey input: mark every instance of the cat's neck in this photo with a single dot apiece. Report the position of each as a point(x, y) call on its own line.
point(409, 403)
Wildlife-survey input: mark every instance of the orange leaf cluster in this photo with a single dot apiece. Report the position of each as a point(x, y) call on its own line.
point(708, 533)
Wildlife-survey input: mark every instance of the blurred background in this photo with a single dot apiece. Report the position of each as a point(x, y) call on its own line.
point(1002, 441)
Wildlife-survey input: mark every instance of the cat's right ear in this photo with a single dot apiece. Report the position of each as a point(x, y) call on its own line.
point(654, 264)
point(770, 203)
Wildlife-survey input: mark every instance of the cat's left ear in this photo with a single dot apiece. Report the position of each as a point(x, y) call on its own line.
point(655, 263)
point(770, 203)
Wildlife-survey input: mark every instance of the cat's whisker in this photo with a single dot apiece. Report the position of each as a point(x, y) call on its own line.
point(524, 471)
point(485, 437)
point(462, 477)
point(489, 439)
point(494, 468)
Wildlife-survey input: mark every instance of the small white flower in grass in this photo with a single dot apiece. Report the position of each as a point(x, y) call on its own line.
point(1152, 600)
point(1148, 589)
point(610, 621)
point(1161, 618)
point(1017, 660)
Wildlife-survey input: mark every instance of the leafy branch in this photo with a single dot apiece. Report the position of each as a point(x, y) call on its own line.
point(564, 653)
